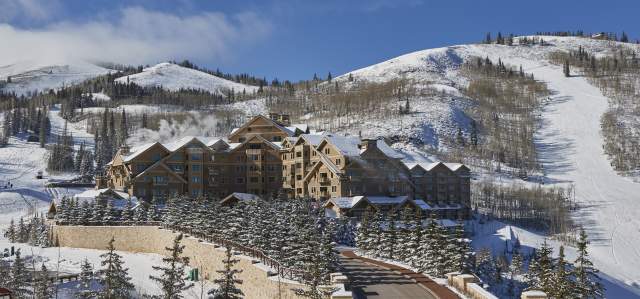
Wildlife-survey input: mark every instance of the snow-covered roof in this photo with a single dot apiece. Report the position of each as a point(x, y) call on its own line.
point(177, 144)
point(241, 197)
point(346, 202)
point(347, 145)
point(93, 193)
point(301, 127)
point(453, 166)
point(314, 139)
point(387, 150)
point(136, 151)
point(422, 204)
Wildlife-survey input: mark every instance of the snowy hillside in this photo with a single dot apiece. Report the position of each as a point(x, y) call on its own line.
point(30, 76)
point(174, 77)
point(569, 141)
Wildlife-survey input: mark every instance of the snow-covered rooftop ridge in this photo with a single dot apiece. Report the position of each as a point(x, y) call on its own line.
point(136, 151)
point(174, 77)
point(387, 150)
point(430, 165)
point(244, 196)
point(346, 145)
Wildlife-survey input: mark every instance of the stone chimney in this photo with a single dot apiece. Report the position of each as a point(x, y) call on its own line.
point(124, 149)
point(368, 143)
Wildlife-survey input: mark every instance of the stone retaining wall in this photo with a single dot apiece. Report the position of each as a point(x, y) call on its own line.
point(149, 239)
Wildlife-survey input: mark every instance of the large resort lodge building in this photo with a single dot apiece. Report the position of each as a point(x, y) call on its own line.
point(271, 158)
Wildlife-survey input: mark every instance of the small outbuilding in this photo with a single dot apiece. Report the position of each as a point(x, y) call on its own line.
point(236, 197)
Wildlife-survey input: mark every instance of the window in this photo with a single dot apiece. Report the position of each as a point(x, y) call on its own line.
point(239, 180)
point(195, 193)
point(337, 161)
point(196, 167)
point(176, 157)
point(333, 188)
point(176, 168)
point(196, 157)
point(327, 151)
point(255, 146)
point(272, 179)
point(298, 165)
point(277, 138)
point(253, 179)
point(255, 157)
point(160, 180)
point(196, 179)
point(298, 154)
point(298, 177)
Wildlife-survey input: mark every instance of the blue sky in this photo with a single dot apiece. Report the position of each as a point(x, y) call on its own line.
point(284, 39)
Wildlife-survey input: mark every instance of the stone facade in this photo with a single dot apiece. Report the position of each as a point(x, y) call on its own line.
point(148, 239)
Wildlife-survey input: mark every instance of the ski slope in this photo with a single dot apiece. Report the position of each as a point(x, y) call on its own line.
point(174, 77)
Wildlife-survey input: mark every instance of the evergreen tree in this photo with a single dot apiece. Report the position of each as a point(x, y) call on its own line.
point(85, 279)
point(541, 269)
point(562, 284)
point(462, 253)
point(587, 282)
point(11, 234)
point(227, 282)
point(44, 288)
point(114, 277)
point(18, 281)
point(171, 279)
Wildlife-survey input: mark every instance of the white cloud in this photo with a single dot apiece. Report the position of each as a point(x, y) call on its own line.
point(136, 36)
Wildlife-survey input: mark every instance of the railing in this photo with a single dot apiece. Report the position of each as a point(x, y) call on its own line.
point(289, 273)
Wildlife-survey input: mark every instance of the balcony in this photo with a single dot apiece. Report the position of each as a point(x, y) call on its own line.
point(324, 181)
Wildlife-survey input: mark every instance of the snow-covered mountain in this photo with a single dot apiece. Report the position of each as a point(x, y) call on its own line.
point(30, 76)
point(174, 77)
point(569, 141)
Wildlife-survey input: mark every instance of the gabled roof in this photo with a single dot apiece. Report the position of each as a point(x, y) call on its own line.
point(274, 145)
point(344, 202)
point(387, 150)
point(430, 166)
point(240, 196)
point(160, 163)
point(347, 145)
point(275, 124)
point(138, 150)
point(313, 139)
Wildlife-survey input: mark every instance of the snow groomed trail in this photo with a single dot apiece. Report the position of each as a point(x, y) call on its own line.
point(571, 149)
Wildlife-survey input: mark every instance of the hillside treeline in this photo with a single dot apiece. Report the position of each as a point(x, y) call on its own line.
point(504, 114)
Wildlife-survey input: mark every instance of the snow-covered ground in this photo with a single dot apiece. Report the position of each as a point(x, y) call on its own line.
point(174, 77)
point(30, 76)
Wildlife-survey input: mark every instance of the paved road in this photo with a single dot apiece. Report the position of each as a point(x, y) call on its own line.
point(371, 281)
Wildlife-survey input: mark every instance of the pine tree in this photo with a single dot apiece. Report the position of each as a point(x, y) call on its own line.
point(23, 231)
point(19, 278)
point(85, 279)
point(587, 282)
point(390, 237)
point(462, 253)
point(114, 277)
point(485, 266)
point(561, 279)
point(11, 232)
point(43, 288)
point(227, 282)
point(127, 212)
point(541, 269)
point(171, 279)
